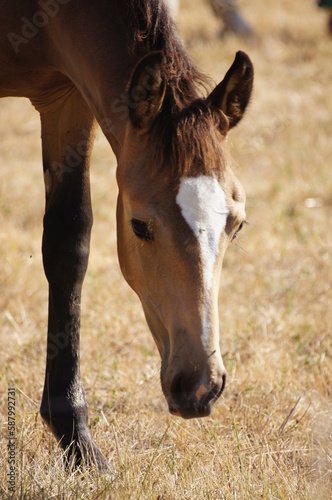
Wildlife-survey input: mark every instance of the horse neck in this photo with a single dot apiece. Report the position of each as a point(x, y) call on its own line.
point(88, 47)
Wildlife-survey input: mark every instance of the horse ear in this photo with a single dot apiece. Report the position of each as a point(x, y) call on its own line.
point(233, 94)
point(146, 90)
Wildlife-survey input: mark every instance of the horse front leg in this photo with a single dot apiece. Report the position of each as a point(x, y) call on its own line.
point(67, 138)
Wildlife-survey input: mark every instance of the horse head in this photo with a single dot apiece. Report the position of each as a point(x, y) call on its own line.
point(179, 207)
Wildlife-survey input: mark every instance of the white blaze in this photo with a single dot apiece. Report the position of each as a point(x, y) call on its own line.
point(203, 206)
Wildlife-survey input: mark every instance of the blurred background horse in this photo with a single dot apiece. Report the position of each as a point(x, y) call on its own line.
point(228, 12)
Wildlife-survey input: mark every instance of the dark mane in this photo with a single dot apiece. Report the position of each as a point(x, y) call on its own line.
point(151, 28)
point(190, 142)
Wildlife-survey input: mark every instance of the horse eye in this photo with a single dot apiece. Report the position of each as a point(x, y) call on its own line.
point(141, 230)
point(239, 229)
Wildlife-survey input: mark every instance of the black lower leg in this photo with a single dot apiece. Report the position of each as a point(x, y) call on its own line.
point(67, 227)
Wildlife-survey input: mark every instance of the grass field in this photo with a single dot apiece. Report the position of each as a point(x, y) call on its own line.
point(270, 435)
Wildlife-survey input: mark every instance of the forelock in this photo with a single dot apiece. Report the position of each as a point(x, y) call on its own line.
point(193, 141)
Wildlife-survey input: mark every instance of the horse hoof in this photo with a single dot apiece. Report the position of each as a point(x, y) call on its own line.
point(86, 455)
point(99, 460)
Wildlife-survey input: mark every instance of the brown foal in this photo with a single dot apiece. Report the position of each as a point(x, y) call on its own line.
point(123, 65)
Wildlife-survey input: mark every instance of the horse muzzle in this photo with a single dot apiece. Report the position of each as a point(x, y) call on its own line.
point(188, 401)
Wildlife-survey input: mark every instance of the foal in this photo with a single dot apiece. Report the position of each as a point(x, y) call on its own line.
point(123, 65)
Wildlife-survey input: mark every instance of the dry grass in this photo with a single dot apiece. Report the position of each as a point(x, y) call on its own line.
point(270, 436)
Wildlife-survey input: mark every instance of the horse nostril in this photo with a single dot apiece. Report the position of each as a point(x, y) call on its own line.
point(178, 388)
point(217, 391)
point(182, 388)
point(214, 393)
point(223, 384)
